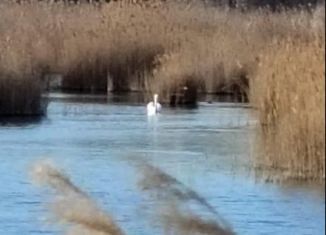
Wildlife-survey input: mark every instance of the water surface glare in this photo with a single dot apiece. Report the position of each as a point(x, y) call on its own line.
point(99, 145)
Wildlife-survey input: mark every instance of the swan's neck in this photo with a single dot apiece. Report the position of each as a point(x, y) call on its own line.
point(155, 101)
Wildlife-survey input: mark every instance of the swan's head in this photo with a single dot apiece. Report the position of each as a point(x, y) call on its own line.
point(155, 97)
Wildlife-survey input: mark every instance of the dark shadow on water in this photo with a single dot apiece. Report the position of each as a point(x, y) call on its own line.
point(20, 121)
point(136, 98)
point(220, 98)
point(100, 98)
point(127, 97)
point(184, 106)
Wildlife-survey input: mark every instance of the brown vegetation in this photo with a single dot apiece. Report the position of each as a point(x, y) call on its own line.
point(76, 208)
point(172, 214)
point(289, 91)
point(156, 46)
point(72, 205)
point(177, 50)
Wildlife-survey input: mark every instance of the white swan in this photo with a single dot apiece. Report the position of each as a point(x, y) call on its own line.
point(154, 107)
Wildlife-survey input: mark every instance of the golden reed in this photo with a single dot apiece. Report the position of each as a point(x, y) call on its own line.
point(74, 207)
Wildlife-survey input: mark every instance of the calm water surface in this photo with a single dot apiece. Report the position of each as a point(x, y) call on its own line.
point(98, 143)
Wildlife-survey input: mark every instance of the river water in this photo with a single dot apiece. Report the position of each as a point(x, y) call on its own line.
point(99, 142)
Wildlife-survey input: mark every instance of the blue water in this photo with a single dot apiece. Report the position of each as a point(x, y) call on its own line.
point(99, 145)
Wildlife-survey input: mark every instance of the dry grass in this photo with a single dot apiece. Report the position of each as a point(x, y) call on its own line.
point(173, 200)
point(154, 46)
point(22, 57)
point(289, 91)
point(86, 42)
point(74, 207)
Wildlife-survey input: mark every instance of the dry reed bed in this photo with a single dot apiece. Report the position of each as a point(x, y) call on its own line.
point(20, 89)
point(151, 47)
point(221, 58)
point(289, 91)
